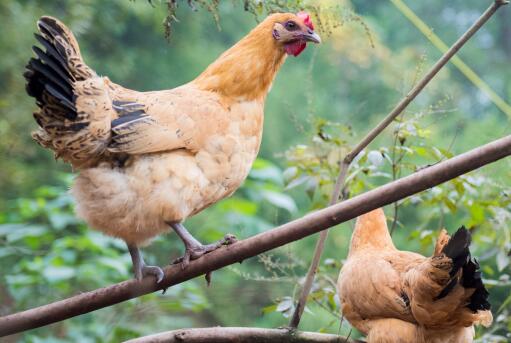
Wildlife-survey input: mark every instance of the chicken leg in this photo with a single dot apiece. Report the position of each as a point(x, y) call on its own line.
point(140, 269)
point(195, 249)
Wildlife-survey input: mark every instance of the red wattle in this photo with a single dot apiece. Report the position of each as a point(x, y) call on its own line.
point(295, 48)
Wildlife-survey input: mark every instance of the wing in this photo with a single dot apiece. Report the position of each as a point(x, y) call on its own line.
point(137, 132)
point(380, 296)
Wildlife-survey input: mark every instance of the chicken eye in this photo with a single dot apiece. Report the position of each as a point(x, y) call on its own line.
point(291, 25)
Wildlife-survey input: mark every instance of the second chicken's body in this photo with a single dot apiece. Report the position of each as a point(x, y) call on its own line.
point(396, 296)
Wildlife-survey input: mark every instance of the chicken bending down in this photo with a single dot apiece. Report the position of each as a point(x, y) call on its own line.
point(146, 161)
point(400, 296)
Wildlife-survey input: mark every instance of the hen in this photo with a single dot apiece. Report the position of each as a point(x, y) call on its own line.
point(400, 296)
point(146, 161)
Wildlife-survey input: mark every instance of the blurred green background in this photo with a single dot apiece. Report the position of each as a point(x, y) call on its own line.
point(321, 104)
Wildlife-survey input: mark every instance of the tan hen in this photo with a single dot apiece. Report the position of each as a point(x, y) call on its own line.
point(146, 161)
point(400, 296)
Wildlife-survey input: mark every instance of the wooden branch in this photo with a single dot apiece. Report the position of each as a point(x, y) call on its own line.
point(241, 250)
point(346, 162)
point(241, 335)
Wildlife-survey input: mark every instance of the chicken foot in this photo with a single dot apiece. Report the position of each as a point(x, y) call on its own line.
point(195, 249)
point(140, 269)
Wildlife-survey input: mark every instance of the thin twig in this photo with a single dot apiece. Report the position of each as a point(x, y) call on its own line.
point(394, 220)
point(395, 163)
point(325, 307)
point(241, 335)
point(292, 231)
point(412, 94)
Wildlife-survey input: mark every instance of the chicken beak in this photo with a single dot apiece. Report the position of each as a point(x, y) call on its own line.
point(311, 36)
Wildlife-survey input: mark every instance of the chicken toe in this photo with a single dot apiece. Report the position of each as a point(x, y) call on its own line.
point(153, 270)
point(193, 248)
point(140, 269)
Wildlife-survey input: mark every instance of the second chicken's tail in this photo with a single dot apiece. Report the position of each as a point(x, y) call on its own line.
point(447, 290)
point(457, 249)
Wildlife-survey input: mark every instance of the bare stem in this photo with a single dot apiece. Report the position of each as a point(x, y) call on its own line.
point(394, 220)
point(398, 109)
point(241, 335)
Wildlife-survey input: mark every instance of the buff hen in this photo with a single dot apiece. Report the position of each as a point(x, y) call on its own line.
point(400, 296)
point(147, 161)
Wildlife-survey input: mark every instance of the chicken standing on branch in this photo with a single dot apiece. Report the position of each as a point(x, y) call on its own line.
point(149, 160)
point(400, 296)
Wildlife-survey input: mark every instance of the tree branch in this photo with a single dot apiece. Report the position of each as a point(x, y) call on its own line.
point(470, 74)
point(241, 250)
point(346, 162)
point(241, 335)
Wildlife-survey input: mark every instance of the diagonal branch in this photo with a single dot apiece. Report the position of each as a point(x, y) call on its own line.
point(456, 61)
point(239, 251)
point(241, 335)
point(345, 164)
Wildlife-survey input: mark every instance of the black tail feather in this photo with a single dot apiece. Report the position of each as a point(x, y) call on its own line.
point(62, 78)
point(51, 26)
point(47, 28)
point(458, 250)
point(48, 75)
point(62, 98)
point(472, 278)
point(50, 49)
point(51, 30)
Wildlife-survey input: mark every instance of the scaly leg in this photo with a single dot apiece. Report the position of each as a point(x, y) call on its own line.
point(140, 269)
point(193, 248)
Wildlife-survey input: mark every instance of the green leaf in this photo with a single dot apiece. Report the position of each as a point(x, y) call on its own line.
point(22, 231)
point(450, 204)
point(240, 205)
point(311, 186)
point(502, 260)
point(477, 213)
point(290, 173)
point(286, 304)
point(266, 171)
point(280, 200)
point(376, 158)
point(460, 188)
point(60, 220)
point(269, 309)
point(20, 280)
point(6, 251)
point(115, 263)
point(55, 274)
point(297, 182)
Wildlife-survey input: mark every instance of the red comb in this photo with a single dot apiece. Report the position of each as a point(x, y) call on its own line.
point(306, 19)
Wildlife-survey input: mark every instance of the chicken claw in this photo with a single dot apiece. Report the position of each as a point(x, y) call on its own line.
point(140, 269)
point(193, 248)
